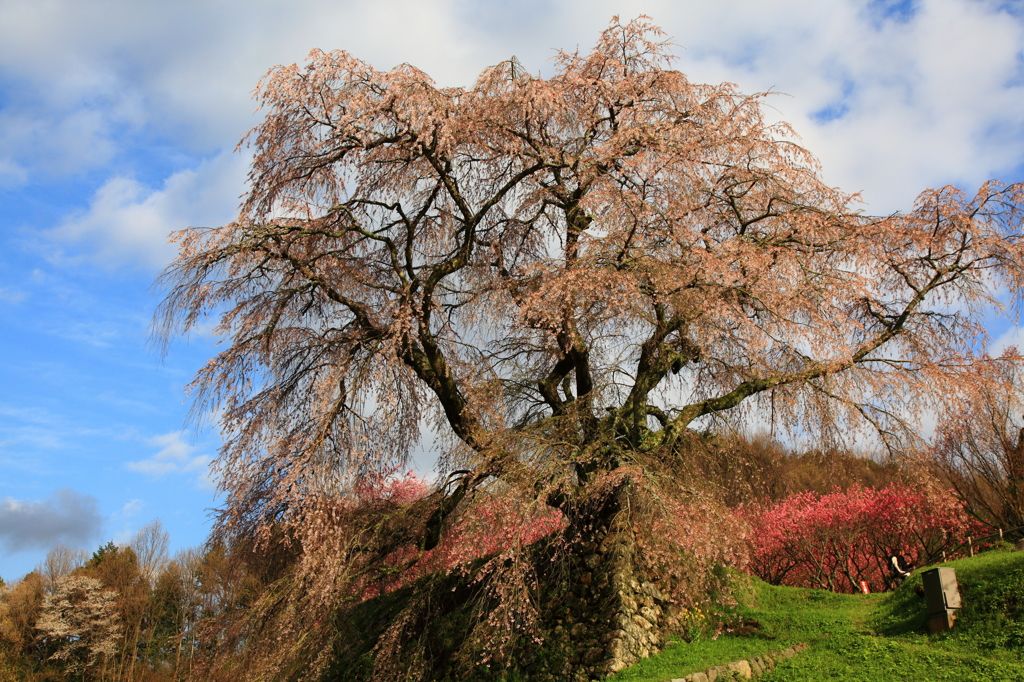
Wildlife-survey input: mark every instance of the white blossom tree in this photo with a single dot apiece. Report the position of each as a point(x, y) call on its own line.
point(80, 618)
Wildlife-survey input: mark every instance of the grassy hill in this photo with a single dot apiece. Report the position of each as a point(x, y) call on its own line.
point(874, 638)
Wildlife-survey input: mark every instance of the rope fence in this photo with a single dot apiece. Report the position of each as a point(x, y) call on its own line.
point(971, 541)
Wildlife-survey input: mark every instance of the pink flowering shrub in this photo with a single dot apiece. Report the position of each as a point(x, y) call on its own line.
point(493, 525)
point(834, 541)
point(388, 487)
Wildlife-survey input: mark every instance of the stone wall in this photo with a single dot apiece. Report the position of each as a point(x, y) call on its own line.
point(745, 669)
point(614, 616)
point(634, 620)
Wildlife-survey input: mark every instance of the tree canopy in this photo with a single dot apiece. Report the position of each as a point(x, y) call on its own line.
point(562, 277)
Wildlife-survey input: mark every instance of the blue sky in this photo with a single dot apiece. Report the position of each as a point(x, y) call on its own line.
point(118, 124)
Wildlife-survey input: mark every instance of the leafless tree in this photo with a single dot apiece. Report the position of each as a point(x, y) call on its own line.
point(980, 452)
point(150, 545)
point(60, 562)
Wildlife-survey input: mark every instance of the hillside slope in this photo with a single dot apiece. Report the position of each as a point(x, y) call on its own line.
point(871, 638)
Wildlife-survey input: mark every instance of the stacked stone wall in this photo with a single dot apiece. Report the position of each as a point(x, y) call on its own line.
point(744, 669)
point(613, 617)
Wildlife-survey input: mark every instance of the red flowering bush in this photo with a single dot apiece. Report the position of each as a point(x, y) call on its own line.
point(389, 487)
point(491, 527)
point(679, 532)
point(494, 524)
point(836, 540)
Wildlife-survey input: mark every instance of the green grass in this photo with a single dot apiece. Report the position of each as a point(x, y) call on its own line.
point(874, 638)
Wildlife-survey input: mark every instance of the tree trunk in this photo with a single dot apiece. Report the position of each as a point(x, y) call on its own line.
point(1013, 513)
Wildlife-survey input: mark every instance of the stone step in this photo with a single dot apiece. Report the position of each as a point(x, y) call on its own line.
point(745, 669)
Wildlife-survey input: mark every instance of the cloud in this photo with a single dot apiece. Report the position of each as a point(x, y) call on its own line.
point(36, 139)
point(207, 480)
point(933, 99)
point(936, 77)
point(891, 101)
point(130, 508)
point(29, 426)
point(892, 96)
point(11, 173)
point(8, 295)
point(86, 78)
point(174, 457)
point(1013, 336)
point(68, 517)
point(128, 223)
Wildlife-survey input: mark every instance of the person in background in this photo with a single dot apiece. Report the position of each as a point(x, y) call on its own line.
point(900, 568)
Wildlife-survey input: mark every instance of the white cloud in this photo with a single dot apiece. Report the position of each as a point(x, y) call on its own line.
point(130, 509)
point(127, 223)
point(1013, 336)
point(174, 457)
point(207, 480)
point(934, 101)
point(891, 105)
point(84, 74)
point(929, 96)
point(12, 174)
point(57, 143)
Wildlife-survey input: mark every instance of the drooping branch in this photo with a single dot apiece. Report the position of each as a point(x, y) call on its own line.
point(549, 269)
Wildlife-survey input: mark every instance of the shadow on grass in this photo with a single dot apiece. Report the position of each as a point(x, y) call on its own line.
point(992, 591)
point(902, 612)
